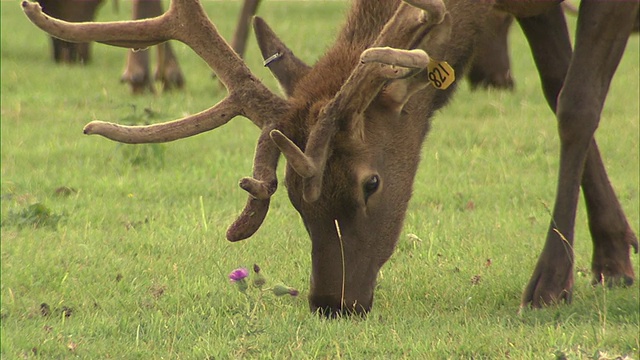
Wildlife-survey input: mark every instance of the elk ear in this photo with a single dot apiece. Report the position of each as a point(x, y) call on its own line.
point(436, 41)
point(395, 94)
point(284, 65)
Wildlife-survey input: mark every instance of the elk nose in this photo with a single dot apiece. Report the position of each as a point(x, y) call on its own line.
point(330, 306)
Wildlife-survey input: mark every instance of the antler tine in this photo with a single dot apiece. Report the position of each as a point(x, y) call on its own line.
point(260, 188)
point(364, 83)
point(187, 22)
point(130, 34)
point(198, 123)
point(400, 32)
point(415, 58)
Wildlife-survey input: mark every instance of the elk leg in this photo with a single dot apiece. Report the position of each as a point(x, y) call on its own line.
point(84, 52)
point(491, 67)
point(550, 44)
point(73, 11)
point(60, 50)
point(610, 231)
point(597, 54)
point(608, 224)
point(240, 36)
point(64, 52)
point(136, 72)
point(168, 70)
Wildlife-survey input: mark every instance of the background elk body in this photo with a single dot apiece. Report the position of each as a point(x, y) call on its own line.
point(490, 67)
point(136, 73)
point(74, 11)
point(352, 127)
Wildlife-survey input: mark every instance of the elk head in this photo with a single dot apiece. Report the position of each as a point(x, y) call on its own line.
point(349, 129)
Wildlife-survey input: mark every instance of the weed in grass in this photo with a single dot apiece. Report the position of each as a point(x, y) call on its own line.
point(46, 311)
point(65, 191)
point(143, 155)
point(147, 155)
point(35, 215)
point(254, 291)
point(583, 354)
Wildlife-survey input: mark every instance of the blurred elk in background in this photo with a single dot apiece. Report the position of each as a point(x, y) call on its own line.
point(136, 73)
point(73, 11)
point(491, 64)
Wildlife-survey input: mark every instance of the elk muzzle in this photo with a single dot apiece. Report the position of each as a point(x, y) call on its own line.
point(341, 288)
point(344, 270)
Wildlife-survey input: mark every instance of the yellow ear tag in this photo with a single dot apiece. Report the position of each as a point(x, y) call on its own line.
point(440, 74)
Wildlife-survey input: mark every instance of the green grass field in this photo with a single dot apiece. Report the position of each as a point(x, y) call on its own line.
point(113, 251)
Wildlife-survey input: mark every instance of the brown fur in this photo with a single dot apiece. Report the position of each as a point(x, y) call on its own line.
point(389, 148)
point(370, 228)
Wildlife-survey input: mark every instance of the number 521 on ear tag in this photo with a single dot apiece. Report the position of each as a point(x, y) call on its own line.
point(440, 74)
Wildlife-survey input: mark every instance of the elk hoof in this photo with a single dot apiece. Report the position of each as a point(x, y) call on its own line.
point(138, 81)
point(502, 81)
point(612, 259)
point(171, 79)
point(611, 281)
point(547, 287)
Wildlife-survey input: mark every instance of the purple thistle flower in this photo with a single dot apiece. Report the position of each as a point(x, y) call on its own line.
point(238, 274)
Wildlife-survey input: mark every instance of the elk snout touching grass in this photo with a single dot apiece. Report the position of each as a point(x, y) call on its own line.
point(351, 127)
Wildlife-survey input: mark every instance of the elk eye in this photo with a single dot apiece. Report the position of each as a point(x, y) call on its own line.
point(371, 186)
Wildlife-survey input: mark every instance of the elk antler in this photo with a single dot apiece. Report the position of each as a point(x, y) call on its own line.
point(260, 188)
point(187, 22)
point(403, 30)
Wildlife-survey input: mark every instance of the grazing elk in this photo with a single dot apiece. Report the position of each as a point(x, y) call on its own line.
point(351, 127)
point(74, 11)
point(136, 73)
point(168, 71)
point(491, 65)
